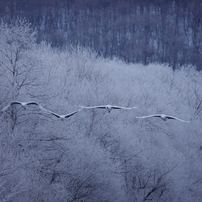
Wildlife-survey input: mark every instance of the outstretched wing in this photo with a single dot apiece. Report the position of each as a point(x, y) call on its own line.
point(15, 102)
point(119, 107)
point(143, 117)
point(68, 115)
point(32, 103)
point(43, 109)
point(93, 107)
point(53, 113)
point(172, 117)
point(48, 111)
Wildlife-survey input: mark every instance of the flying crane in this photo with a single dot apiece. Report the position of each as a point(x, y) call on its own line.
point(164, 117)
point(108, 107)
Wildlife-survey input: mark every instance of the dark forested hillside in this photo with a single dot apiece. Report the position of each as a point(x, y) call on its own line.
point(143, 31)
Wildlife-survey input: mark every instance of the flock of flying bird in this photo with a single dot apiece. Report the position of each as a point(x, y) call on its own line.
point(107, 107)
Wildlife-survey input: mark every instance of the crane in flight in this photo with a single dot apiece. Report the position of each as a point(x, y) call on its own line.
point(108, 107)
point(23, 104)
point(62, 116)
point(164, 117)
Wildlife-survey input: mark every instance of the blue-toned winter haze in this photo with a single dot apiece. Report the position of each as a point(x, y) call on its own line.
point(95, 155)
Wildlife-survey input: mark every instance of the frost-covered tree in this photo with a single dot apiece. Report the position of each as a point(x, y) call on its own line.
point(17, 38)
point(17, 65)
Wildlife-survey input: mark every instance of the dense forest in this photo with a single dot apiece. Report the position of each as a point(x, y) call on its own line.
point(95, 156)
point(140, 31)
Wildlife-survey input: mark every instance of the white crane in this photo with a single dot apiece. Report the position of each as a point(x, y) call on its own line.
point(108, 107)
point(163, 117)
point(63, 116)
point(23, 104)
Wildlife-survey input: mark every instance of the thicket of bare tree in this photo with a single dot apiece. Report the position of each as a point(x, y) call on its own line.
point(140, 31)
point(95, 155)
